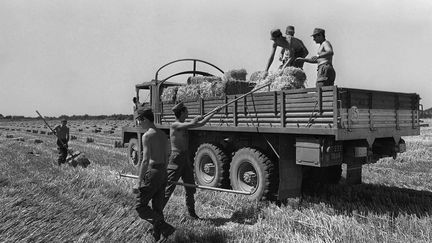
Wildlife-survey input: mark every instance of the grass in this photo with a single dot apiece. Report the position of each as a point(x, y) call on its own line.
point(42, 202)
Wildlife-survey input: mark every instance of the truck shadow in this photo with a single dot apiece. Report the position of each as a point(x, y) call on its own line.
point(369, 198)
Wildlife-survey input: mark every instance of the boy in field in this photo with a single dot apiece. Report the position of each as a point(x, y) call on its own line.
point(153, 175)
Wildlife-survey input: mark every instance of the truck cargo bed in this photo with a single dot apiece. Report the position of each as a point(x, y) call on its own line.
point(343, 112)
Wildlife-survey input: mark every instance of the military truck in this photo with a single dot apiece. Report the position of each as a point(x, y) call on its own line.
point(270, 143)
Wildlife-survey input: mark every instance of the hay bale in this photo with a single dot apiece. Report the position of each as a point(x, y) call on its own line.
point(36, 140)
point(9, 136)
point(80, 160)
point(238, 87)
point(212, 89)
point(169, 94)
point(73, 137)
point(80, 129)
point(289, 78)
point(50, 133)
point(202, 79)
point(188, 93)
point(35, 131)
point(89, 140)
point(42, 132)
point(235, 74)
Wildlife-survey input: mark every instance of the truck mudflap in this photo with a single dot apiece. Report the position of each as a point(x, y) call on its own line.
point(318, 152)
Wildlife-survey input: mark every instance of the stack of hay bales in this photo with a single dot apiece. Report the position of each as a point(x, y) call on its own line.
point(289, 78)
point(207, 87)
point(169, 94)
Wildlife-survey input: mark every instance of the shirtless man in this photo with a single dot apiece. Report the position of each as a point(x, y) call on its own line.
point(278, 41)
point(179, 164)
point(152, 175)
point(326, 73)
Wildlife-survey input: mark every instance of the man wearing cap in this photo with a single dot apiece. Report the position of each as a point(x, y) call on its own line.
point(278, 41)
point(299, 50)
point(62, 133)
point(325, 73)
point(179, 164)
point(152, 174)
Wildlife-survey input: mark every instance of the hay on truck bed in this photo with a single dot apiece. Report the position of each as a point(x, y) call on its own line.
point(207, 87)
point(289, 78)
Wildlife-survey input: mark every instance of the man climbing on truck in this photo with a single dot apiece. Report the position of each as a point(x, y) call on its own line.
point(325, 73)
point(179, 164)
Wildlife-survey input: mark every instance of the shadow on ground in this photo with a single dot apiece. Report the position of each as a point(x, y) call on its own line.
point(368, 198)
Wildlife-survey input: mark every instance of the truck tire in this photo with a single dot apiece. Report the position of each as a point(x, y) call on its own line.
point(251, 171)
point(132, 152)
point(211, 166)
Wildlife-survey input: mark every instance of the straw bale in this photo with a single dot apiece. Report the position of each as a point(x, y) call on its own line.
point(188, 93)
point(202, 79)
point(238, 87)
point(289, 78)
point(235, 74)
point(169, 94)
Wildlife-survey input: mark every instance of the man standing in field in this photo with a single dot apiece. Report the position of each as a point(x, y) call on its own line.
point(179, 164)
point(288, 57)
point(325, 73)
point(152, 175)
point(62, 133)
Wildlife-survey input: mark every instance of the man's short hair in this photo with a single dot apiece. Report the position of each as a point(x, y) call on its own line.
point(275, 33)
point(178, 109)
point(144, 112)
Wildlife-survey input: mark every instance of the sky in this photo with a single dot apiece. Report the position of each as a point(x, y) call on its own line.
point(76, 57)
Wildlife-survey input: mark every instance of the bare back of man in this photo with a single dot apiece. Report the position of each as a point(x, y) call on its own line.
point(156, 139)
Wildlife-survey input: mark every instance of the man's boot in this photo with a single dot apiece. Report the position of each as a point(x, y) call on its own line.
point(192, 213)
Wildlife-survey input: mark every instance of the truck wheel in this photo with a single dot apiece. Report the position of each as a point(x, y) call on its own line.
point(132, 153)
point(251, 171)
point(211, 166)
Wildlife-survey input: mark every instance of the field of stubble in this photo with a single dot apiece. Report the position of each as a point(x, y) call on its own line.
point(42, 202)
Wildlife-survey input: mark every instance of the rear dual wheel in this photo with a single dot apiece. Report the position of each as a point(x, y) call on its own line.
point(252, 171)
point(211, 166)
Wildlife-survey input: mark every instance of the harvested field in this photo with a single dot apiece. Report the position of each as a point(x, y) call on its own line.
point(42, 202)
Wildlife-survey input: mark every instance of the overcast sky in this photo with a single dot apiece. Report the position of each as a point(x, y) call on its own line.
point(85, 56)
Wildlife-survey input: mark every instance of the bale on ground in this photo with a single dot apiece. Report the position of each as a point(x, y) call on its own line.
point(9, 136)
point(73, 137)
point(36, 140)
point(89, 140)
